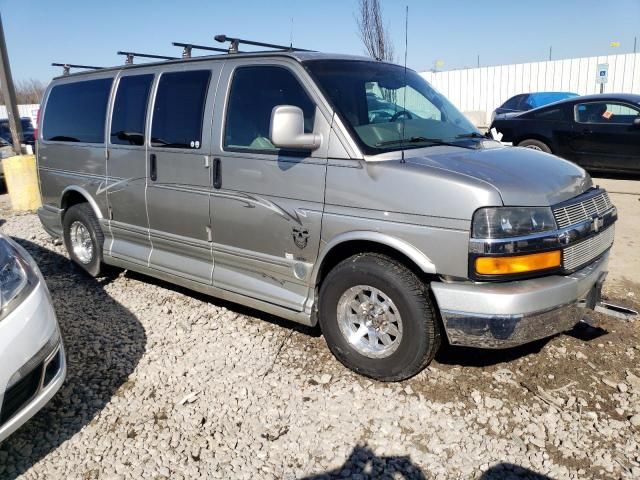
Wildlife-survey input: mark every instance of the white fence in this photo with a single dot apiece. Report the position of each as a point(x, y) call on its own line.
point(30, 111)
point(485, 88)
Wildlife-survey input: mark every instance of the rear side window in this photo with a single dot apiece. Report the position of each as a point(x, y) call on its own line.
point(513, 103)
point(76, 112)
point(129, 110)
point(179, 108)
point(254, 93)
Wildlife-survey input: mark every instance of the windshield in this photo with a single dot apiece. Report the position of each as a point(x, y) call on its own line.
point(379, 107)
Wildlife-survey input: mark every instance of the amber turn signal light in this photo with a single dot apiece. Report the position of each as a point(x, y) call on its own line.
point(517, 264)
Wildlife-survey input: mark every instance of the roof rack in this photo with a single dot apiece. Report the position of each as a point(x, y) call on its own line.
point(130, 56)
point(188, 47)
point(234, 43)
point(66, 67)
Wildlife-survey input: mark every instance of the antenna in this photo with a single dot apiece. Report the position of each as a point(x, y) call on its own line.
point(66, 67)
point(131, 55)
point(404, 100)
point(188, 47)
point(235, 42)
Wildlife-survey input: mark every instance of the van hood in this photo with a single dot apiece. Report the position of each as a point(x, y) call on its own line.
point(522, 176)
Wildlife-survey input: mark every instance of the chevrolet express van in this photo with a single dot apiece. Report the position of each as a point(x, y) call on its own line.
point(324, 189)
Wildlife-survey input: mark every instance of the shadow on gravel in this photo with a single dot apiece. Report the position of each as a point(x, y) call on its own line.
point(503, 471)
point(364, 464)
point(104, 342)
point(476, 357)
point(234, 307)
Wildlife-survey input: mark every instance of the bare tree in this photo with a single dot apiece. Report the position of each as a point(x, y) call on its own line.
point(372, 31)
point(28, 91)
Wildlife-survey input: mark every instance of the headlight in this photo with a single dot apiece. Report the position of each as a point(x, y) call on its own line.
point(17, 276)
point(504, 222)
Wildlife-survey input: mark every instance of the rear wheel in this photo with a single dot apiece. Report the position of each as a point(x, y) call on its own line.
point(377, 317)
point(83, 238)
point(535, 145)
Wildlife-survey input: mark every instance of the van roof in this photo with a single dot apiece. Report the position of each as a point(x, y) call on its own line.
point(296, 55)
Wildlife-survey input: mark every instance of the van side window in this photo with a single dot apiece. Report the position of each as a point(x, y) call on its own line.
point(254, 93)
point(76, 112)
point(179, 109)
point(129, 110)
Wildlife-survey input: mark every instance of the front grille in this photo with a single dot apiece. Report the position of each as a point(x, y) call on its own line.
point(16, 397)
point(582, 210)
point(584, 252)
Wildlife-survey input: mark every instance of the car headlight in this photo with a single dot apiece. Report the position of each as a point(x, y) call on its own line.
point(17, 276)
point(505, 222)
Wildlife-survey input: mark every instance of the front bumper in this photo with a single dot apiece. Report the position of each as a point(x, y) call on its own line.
point(30, 349)
point(502, 315)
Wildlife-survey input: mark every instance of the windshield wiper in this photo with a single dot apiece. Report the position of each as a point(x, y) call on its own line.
point(472, 135)
point(433, 141)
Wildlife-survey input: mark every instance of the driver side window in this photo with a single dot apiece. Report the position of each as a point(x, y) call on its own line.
point(255, 91)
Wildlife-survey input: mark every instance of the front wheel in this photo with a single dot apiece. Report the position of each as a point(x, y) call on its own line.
point(377, 317)
point(535, 145)
point(83, 238)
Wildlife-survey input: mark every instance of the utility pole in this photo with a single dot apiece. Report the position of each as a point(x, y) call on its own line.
point(550, 50)
point(478, 60)
point(635, 44)
point(9, 94)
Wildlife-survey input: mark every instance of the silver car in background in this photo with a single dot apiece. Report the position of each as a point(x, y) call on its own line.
point(326, 189)
point(32, 361)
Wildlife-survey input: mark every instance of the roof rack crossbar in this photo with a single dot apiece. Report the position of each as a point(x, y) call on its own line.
point(234, 43)
point(130, 56)
point(188, 47)
point(66, 67)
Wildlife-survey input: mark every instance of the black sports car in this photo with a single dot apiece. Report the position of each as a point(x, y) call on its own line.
point(598, 132)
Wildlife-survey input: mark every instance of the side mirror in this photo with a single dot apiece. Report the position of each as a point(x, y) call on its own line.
point(636, 122)
point(287, 129)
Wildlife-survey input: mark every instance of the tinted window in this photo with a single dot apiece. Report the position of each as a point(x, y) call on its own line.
point(512, 103)
point(179, 108)
point(76, 112)
point(254, 93)
point(129, 110)
point(606, 113)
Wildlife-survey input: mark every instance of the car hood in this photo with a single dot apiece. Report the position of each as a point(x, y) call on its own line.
point(522, 176)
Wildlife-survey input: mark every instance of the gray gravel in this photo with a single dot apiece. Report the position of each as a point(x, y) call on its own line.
point(167, 383)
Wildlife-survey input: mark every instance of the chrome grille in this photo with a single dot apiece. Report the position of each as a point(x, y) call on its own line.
point(582, 210)
point(585, 251)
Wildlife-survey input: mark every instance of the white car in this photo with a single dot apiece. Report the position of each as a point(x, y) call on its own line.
point(32, 360)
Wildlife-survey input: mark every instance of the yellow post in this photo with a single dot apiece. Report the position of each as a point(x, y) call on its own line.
point(21, 177)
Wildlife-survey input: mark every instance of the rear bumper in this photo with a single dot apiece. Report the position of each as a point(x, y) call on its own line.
point(502, 315)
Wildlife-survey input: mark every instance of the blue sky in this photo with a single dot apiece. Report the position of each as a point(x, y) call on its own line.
point(454, 31)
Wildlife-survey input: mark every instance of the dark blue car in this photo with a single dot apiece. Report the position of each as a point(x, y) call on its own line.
point(529, 101)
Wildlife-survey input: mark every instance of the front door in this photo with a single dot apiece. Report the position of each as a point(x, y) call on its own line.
point(605, 136)
point(128, 233)
point(179, 173)
point(267, 203)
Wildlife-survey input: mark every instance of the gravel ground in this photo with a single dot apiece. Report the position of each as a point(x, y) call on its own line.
point(167, 383)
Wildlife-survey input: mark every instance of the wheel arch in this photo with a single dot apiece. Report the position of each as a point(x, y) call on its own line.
point(73, 195)
point(536, 136)
point(347, 244)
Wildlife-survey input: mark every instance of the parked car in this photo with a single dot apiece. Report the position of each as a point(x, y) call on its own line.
point(32, 361)
point(528, 101)
point(265, 179)
point(27, 137)
point(598, 132)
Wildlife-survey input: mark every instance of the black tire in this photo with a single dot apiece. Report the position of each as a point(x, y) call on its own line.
point(83, 213)
point(535, 144)
point(421, 333)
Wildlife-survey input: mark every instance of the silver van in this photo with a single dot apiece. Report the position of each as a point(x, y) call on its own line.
point(323, 189)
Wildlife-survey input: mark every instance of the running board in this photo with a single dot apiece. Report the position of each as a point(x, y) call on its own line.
point(615, 310)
